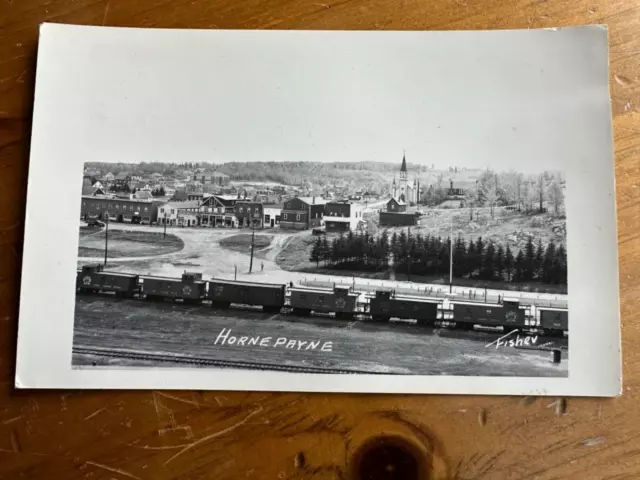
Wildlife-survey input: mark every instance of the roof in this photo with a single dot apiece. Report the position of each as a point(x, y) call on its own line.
point(239, 282)
point(122, 176)
point(143, 194)
point(313, 200)
point(278, 206)
point(91, 191)
point(403, 168)
point(398, 201)
point(181, 205)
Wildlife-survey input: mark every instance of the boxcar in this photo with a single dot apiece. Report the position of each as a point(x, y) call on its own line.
point(554, 321)
point(223, 293)
point(338, 300)
point(190, 288)
point(508, 314)
point(385, 305)
point(92, 278)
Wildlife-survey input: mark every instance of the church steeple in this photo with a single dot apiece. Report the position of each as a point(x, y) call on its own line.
point(403, 168)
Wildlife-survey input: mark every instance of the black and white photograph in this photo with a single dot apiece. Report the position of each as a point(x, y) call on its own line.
point(323, 267)
point(270, 208)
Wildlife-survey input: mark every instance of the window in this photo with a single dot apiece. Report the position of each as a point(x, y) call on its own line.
point(146, 209)
point(117, 206)
point(256, 210)
point(285, 216)
point(241, 209)
point(84, 204)
point(98, 206)
point(131, 208)
point(109, 206)
point(173, 210)
point(298, 217)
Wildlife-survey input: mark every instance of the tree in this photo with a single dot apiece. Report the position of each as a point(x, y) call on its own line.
point(488, 268)
point(499, 262)
point(518, 275)
point(537, 266)
point(460, 261)
point(556, 194)
point(489, 190)
point(315, 252)
point(161, 192)
point(549, 264)
point(471, 199)
point(134, 190)
point(528, 267)
point(540, 190)
point(509, 263)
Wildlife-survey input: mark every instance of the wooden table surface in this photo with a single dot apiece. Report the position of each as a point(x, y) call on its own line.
point(226, 435)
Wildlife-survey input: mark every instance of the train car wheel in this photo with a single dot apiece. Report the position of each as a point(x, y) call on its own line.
point(464, 326)
point(221, 304)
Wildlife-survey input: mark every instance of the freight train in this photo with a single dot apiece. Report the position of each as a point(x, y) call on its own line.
point(340, 301)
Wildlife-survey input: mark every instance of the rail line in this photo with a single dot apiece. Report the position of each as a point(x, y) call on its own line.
point(210, 362)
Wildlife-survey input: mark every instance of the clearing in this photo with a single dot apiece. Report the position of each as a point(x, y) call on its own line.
point(128, 243)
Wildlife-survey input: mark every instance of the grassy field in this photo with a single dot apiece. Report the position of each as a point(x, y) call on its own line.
point(127, 243)
point(242, 242)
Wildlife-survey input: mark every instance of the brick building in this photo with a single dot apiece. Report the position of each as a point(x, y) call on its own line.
point(124, 210)
point(249, 213)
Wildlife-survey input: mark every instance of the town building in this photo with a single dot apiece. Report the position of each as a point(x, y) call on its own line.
point(122, 179)
point(405, 190)
point(342, 216)
point(211, 177)
point(183, 214)
point(249, 214)
point(109, 177)
point(301, 213)
point(272, 215)
point(218, 211)
point(396, 214)
point(455, 193)
point(124, 210)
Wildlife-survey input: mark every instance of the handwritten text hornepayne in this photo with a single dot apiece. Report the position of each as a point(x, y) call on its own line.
point(225, 338)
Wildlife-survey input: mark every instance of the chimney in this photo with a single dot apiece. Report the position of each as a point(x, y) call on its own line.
point(313, 200)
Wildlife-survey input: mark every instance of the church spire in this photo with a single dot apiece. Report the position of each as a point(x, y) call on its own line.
point(403, 168)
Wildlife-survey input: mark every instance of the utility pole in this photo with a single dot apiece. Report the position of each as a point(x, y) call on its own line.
point(409, 252)
point(451, 257)
point(165, 226)
point(106, 241)
point(253, 235)
point(235, 273)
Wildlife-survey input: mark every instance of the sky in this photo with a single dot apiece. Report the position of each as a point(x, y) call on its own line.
point(529, 100)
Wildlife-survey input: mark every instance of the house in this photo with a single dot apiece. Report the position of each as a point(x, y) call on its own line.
point(179, 196)
point(183, 214)
point(272, 215)
point(91, 172)
point(342, 216)
point(455, 193)
point(396, 206)
point(142, 186)
point(301, 213)
point(109, 177)
point(396, 214)
point(97, 184)
point(249, 213)
point(90, 190)
point(218, 211)
point(210, 177)
point(122, 179)
point(143, 195)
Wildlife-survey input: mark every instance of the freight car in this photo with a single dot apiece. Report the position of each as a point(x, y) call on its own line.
point(386, 305)
point(554, 321)
point(223, 293)
point(339, 300)
point(92, 278)
point(190, 288)
point(507, 314)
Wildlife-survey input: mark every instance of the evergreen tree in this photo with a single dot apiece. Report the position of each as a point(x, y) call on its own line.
point(519, 266)
point(561, 265)
point(549, 264)
point(499, 263)
point(487, 270)
point(528, 268)
point(470, 260)
point(315, 252)
point(325, 250)
point(460, 258)
point(537, 267)
point(509, 263)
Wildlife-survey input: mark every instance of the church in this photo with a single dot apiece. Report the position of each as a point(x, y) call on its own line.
point(404, 190)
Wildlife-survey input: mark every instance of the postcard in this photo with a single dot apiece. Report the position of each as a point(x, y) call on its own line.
point(401, 212)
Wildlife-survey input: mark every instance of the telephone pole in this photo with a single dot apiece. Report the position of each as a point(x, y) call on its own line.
point(106, 241)
point(451, 257)
point(253, 235)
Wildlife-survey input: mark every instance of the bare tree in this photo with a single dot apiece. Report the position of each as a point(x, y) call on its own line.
point(471, 199)
point(540, 190)
point(556, 194)
point(490, 194)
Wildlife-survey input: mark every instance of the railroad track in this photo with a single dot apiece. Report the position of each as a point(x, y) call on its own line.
point(209, 362)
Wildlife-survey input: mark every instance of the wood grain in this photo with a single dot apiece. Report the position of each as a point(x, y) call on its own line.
point(221, 435)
